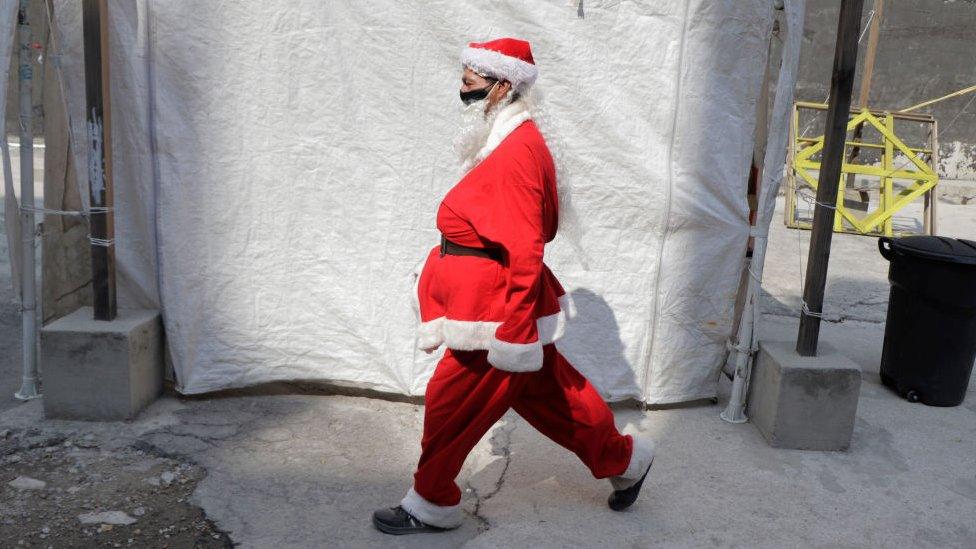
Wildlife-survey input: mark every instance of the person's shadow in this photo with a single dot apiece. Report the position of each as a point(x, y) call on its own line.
point(593, 346)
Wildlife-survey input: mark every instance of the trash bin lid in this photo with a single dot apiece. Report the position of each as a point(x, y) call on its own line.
point(937, 248)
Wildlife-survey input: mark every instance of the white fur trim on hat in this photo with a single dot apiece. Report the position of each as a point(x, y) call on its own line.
point(640, 459)
point(500, 66)
point(442, 516)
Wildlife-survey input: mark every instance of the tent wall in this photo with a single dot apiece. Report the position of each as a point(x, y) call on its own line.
point(279, 165)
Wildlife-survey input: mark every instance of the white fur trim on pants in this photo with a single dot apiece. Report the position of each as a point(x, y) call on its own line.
point(442, 516)
point(640, 459)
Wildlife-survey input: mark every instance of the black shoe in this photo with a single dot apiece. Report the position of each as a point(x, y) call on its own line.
point(622, 499)
point(397, 521)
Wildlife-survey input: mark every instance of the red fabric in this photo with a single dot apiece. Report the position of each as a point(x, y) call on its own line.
point(466, 396)
point(508, 201)
point(512, 47)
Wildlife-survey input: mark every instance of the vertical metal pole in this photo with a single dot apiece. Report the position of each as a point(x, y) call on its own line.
point(28, 387)
point(835, 134)
point(934, 192)
point(887, 183)
point(865, 92)
point(95, 24)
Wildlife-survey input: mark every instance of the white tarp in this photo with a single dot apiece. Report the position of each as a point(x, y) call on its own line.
point(278, 166)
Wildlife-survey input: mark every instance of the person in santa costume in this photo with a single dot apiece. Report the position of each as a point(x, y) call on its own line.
point(486, 295)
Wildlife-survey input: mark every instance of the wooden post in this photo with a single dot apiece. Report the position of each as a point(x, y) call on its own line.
point(835, 134)
point(98, 115)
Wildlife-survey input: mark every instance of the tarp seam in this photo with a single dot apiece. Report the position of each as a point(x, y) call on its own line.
point(655, 319)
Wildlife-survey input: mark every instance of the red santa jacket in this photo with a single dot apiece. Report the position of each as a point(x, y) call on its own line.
point(507, 200)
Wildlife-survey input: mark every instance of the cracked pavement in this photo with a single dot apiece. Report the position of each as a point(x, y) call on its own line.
point(307, 470)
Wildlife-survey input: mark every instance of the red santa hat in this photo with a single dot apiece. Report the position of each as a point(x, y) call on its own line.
point(503, 59)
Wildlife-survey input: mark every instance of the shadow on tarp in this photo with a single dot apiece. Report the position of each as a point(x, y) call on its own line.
point(593, 345)
point(595, 327)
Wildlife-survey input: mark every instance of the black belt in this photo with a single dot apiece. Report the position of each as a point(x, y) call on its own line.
point(450, 248)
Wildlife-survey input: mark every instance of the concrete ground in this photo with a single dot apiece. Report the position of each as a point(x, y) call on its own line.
point(289, 468)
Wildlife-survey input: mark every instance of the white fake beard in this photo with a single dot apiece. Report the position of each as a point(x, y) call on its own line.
point(475, 126)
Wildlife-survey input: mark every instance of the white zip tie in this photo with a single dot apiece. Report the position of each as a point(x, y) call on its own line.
point(105, 243)
point(745, 349)
point(812, 201)
point(806, 310)
point(77, 213)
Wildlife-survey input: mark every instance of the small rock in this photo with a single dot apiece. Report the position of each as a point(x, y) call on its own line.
point(74, 489)
point(46, 530)
point(87, 441)
point(27, 483)
point(5, 433)
point(106, 517)
point(152, 480)
point(14, 458)
point(139, 511)
point(105, 528)
point(167, 477)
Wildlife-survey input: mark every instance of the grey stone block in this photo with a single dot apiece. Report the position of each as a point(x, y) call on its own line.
point(804, 403)
point(101, 370)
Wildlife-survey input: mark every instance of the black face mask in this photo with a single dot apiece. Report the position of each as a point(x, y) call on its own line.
point(469, 97)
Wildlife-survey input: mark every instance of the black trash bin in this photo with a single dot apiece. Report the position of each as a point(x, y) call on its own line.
point(930, 332)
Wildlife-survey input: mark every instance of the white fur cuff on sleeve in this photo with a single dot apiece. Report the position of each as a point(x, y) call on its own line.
point(515, 357)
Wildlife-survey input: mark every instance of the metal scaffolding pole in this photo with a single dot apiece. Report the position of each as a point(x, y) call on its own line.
point(28, 387)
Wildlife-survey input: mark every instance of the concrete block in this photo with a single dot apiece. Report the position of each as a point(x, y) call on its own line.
point(101, 370)
point(804, 403)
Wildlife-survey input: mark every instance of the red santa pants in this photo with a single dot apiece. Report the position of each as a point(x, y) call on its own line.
point(466, 396)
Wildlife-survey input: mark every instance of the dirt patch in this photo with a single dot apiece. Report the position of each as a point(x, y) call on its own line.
point(63, 492)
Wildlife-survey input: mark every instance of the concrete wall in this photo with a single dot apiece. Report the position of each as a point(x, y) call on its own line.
point(927, 49)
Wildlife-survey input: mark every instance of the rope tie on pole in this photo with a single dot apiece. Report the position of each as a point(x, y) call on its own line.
point(75, 213)
point(813, 202)
point(103, 242)
point(738, 347)
point(806, 311)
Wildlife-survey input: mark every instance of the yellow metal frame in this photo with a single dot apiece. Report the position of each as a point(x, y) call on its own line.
point(920, 173)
